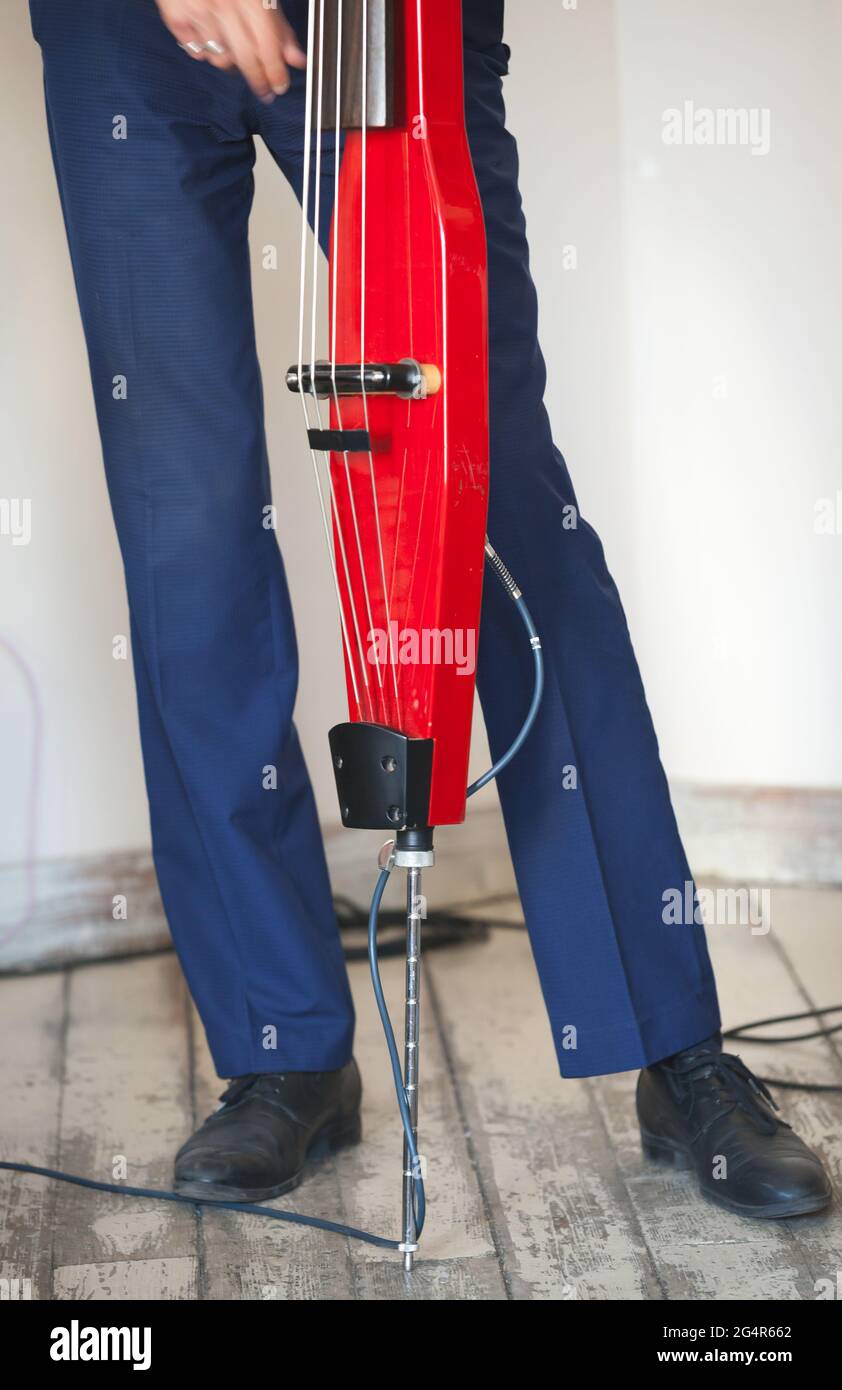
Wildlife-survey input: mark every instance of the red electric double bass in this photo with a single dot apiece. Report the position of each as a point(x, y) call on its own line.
point(392, 370)
point(397, 407)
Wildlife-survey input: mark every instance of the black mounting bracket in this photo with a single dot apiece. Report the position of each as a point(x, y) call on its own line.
point(382, 777)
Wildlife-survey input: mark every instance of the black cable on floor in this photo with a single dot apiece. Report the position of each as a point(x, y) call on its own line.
point(744, 1033)
point(161, 1194)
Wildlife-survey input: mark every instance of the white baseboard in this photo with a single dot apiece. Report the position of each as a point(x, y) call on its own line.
point(752, 836)
point(762, 835)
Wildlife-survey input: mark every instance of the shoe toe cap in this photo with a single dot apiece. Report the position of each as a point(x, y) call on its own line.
point(223, 1167)
point(781, 1183)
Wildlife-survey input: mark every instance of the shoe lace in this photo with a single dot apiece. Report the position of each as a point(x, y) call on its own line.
point(268, 1086)
point(241, 1085)
point(237, 1088)
point(744, 1090)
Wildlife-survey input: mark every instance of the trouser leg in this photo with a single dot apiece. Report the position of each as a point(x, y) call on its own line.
point(586, 804)
point(157, 225)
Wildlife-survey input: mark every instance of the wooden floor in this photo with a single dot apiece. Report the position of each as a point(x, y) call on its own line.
point(537, 1188)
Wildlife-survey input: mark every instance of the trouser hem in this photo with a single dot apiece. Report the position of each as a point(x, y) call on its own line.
point(304, 1052)
point(644, 1041)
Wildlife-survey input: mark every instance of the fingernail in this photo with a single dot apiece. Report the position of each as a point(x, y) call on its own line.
point(280, 91)
point(267, 98)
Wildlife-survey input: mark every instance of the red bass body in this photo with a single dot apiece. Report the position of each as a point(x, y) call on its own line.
point(413, 540)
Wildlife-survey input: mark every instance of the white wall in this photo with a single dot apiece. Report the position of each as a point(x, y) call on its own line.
point(734, 347)
point(695, 266)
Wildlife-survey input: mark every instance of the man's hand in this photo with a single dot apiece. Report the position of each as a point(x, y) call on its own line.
point(250, 35)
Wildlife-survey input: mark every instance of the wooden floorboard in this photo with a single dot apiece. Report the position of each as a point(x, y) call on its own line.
point(563, 1221)
point(537, 1186)
point(32, 1038)
point(125, 1109)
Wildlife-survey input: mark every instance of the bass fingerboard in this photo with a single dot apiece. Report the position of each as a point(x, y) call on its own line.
point(380, 64)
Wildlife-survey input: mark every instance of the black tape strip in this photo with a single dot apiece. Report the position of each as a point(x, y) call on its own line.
point(340, 441)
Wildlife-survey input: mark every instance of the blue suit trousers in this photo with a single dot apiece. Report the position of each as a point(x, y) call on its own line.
point(157, 227)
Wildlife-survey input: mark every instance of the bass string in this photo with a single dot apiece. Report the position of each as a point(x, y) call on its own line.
point(314, 318)
point(305, 203)
point(313, 142)
point(363, 275)
point(333, 352)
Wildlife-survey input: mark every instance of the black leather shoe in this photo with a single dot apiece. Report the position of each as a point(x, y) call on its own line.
point(269, 1125)
point(703, 1109)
